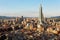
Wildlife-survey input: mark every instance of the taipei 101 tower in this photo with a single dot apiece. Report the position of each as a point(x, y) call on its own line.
point(41, 17)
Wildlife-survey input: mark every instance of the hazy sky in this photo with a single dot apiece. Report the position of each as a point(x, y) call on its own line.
point(29, 7)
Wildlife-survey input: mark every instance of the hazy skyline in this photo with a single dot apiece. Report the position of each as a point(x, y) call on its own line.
point(29, 8)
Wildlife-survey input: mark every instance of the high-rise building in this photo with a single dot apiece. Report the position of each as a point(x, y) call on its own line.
point(41, 17)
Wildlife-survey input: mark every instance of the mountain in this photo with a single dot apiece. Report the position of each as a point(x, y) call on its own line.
point(56, 17)
point(6, 17)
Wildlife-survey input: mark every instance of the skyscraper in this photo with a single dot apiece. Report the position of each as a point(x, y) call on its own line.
point(41, 18)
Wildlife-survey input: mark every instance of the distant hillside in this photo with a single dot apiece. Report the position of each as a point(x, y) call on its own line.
point(56, 17)
point(6, 17)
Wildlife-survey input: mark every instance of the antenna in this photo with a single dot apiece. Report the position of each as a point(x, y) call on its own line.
point(42, 2)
